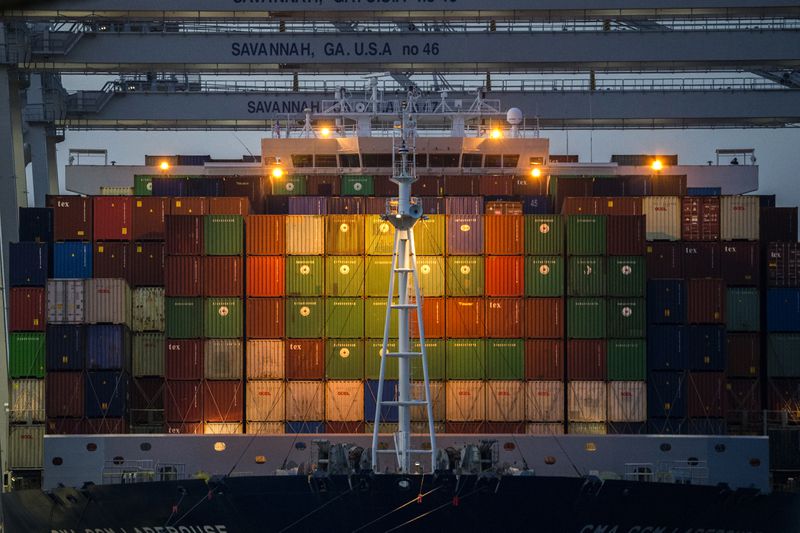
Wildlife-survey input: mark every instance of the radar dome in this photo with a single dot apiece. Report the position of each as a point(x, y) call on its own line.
point(514, 116)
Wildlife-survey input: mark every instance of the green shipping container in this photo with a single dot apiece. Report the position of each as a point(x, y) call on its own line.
point(304, 318)
point(304, 275)
point(224, 318)
point(147, 354)
point(466, 358)
point(743, 309)
point(625, 276)
point(372, 360)
point(627, 360)
point(344, 359)
point(505, 359)
point(289, 185)
point(429, 235)
point(586, 318)
point(184, 318)
point(344, 234)
point(357, 186)
point(586, 276)
point(435, 349)
point(223, 234)
point(544, 235)
point(586, 235)
point(344, 275)
point(26, 355)
point(430, 271)
point(375, 318)
point(431, 275)
point(544, 275)
point(379, 236)
point(377, 276)
point(627, 318)
point(344, 318)
point(783, 355)
point(464, 275)
point(143, 185)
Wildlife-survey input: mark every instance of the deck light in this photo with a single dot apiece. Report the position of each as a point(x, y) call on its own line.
point(164, 166)
point(277, 172)
point(657, 165)
point(536, 172)
point(497, 134)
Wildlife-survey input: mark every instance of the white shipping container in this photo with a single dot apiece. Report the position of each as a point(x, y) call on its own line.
point(305, 235)
point(27, 400)
point(223, 359)
point(266, 401)
point(223, 428)
point(662, 217)
point(26, 447)
point(420, 414)
point(344, 400)
point(544, 401)
point(115, 191)
point(587, 428)
point(265, 359)
point(65, 301)
point(305, 400)
point(505, 401)
point(466, 401)
point(627, 401)
point(147, 353)
point(147, 312)
point(266, 428)
point(544, 428)
point(587, 401)
point(108, 301)
point(739, 218)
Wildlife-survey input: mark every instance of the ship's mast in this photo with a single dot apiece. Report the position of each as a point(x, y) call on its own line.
point(403, 213)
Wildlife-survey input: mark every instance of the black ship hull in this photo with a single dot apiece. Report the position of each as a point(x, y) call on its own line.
point(367, 503)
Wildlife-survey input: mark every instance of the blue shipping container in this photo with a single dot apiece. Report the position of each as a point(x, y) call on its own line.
point(169, 186)
point(666, 426)
point(36, 224)
point(28, 264)
point(308, 205)
point(609, 187)
point(193, 160)
point(107, 347)
point(783, 310)
point(106, 394)
point(72, 260)
point(638, 186)
point(705, 347)
point(666, 395)
point(665, 348)
point(704, 191)
point(204, 187)
point(388, 414)
point(665, 301)
point(305, 427)
point(537, 205)
point(65, 347)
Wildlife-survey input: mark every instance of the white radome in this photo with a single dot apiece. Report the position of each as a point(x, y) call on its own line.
point(514, 116)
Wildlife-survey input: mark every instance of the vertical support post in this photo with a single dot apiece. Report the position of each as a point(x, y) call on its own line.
point(43, 162)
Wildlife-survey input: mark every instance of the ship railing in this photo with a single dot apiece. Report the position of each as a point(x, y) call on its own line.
point(640, 472)
point(689, 472)
point(134, 471)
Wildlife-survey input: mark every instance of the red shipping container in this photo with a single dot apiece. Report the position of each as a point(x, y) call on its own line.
point(700, 218)
point(64, 426)
point(147, 400)
point(220, 205)
point(664, 260)
point(783, 264)
point(783, 395)
point(223, 401)
point(64, 394)
point(701, 260)
point(28, 310)
point(344, 427)
point(527, 185)
point(424, 186)
point(112, 218)
point(72, 217)
point(778, 224)
point(323, 185)
point(505, 275)
point(622, 206)
point(625, 235)
point(465, 427)
point(265, 318)
point(266, 235)
point(184, 235)
point(544, 359)
point(586, 360)
point(742, 395)
point(183, 401)
point(570, 187)
point(706, 393)
point(111, 260)
point(183, 359)
point(254, 188)
point(182, 275)
point(184, 428)
point(741, 263)
point(188, 205)
point(433, 318)
point(743, 355)
point(459, 186)
point(147, 267)
point(504, 318)
point(305, 359)
point(504, 235)
point(105, 426)
point(222, 276)
point(465, 318)
point(496, 185)
point(581, 205)
point(504, 427)
point(265, 275)
point(544, 318)
point(149, 213)
point(706, 299)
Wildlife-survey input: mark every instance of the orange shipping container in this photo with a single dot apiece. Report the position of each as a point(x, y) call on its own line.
point(223, 401)
point(505, 275)
point(266, 235)
point(433, 318)
point(221, 205)
point(544, 318)
point(504, 235)
point(222, 276)
point(504, 318)
point(265, 318)
point(265, 276)
point(195, 205)
point(465, 318)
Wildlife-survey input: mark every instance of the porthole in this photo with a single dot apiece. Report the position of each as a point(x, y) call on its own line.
point(590, 447)
point(118, 460)
point(665, 446)
point(550, 460)
point(58, 461)
point(300, 445)
point(719, 448)
point(145, 446)
point(509, 446)
point(91, 447)
point(693, 461)
point(260, 459)
point(219, 446)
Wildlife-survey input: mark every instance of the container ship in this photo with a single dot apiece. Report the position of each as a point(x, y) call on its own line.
point(198, 345)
